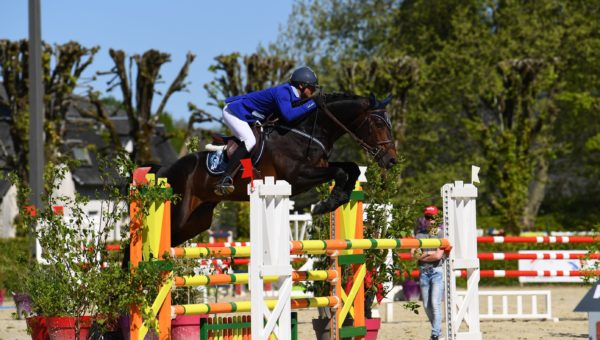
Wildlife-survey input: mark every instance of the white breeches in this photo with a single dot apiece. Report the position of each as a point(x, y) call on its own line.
point(240, 128)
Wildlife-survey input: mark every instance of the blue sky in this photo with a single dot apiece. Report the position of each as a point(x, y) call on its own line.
point(206, 28)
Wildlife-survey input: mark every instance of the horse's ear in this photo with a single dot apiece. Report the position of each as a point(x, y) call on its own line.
point(386, 101)
point(372, 100)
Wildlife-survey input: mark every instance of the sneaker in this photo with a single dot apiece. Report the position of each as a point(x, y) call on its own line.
point(434, 337)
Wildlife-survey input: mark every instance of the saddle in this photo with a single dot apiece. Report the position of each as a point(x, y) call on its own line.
point(222, 147)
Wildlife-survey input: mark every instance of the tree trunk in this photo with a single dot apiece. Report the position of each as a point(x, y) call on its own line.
point(537, 192)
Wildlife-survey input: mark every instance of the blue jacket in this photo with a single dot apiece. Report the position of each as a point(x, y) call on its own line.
point(258, 105)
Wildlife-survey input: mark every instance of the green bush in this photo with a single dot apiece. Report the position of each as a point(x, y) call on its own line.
point(14, 258)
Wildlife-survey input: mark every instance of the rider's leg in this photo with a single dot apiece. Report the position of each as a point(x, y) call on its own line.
point(242, 130)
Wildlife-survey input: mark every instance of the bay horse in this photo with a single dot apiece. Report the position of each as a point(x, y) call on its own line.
point(297, 153)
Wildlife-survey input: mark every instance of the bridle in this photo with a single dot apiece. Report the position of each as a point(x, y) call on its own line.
point(376, 152)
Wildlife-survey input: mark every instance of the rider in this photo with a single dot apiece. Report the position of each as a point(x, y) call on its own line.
point(241, 111)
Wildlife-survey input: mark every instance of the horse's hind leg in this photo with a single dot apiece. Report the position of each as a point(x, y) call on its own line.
point(199, 221)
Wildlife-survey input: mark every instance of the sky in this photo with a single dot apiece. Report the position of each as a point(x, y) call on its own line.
point(207, 28)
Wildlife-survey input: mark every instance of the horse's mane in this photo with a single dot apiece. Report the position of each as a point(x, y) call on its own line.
point(332, 98)
point(339, 96)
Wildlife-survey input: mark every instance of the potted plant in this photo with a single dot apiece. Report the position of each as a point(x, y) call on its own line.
point(388, 215)
point(78, 281)
point(75, 275)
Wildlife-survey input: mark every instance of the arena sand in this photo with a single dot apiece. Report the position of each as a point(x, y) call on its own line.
point(571, 325)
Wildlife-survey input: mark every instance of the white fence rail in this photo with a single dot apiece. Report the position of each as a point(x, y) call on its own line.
point(517, 304)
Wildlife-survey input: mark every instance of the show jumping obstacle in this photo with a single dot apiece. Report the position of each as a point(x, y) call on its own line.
point(537, 239)
point(270, 259)
point(519, 256)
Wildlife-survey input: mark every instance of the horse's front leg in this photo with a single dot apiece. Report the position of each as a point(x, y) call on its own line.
point(353, 172)
point(344, 174)
point(347, 175)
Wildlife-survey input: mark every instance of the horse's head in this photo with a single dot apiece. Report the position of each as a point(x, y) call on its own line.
point(369, 122)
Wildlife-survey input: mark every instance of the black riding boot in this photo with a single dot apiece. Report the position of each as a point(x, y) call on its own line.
point(225, 184)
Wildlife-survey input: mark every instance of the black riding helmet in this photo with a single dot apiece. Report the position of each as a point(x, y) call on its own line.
point(304, 76)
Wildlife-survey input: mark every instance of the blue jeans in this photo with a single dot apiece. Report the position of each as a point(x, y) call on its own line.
point(432, 286)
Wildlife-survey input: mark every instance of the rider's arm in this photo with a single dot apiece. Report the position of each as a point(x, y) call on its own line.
point(289, 113)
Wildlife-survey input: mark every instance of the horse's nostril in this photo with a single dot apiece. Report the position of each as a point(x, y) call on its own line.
point(393, 161)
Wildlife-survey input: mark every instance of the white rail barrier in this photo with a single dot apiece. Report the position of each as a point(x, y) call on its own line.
point(515, 304)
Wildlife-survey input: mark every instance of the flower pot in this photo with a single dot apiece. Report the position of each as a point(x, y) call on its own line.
point(63, 327)
point(321, 327)
point(23, 304)
point(36, 325)
point(186, 327)
point(411, 290)
point(105, 329)
point(373, 326)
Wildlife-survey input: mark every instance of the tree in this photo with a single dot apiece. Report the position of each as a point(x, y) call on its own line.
point(62, 67)
point(237, 75)
point(511, 66)
point(138, 97)
point(497, 80)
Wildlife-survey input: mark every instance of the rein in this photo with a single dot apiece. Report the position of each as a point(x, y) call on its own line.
point(375, 152)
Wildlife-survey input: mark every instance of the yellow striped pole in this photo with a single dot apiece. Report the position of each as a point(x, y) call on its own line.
point(314, 247)
point(220, 279)
point(245, 306)
point(354, 244)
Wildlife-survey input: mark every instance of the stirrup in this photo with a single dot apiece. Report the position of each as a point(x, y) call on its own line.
point(224, 186)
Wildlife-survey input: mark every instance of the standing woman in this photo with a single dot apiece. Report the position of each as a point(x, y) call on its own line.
point(241, 111)
point(430, 262)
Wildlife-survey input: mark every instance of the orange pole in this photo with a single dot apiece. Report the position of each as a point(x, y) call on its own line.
point(335, 233)
point(135, 256)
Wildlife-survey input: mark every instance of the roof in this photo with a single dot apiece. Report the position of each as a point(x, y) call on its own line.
point(81, 133)
point(6, 145)
point(4, 186)
point(591, 300)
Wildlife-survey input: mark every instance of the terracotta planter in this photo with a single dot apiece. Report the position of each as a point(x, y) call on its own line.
point(373, 326)
point(63, 327)
point(36, 325)
point(186, 327)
